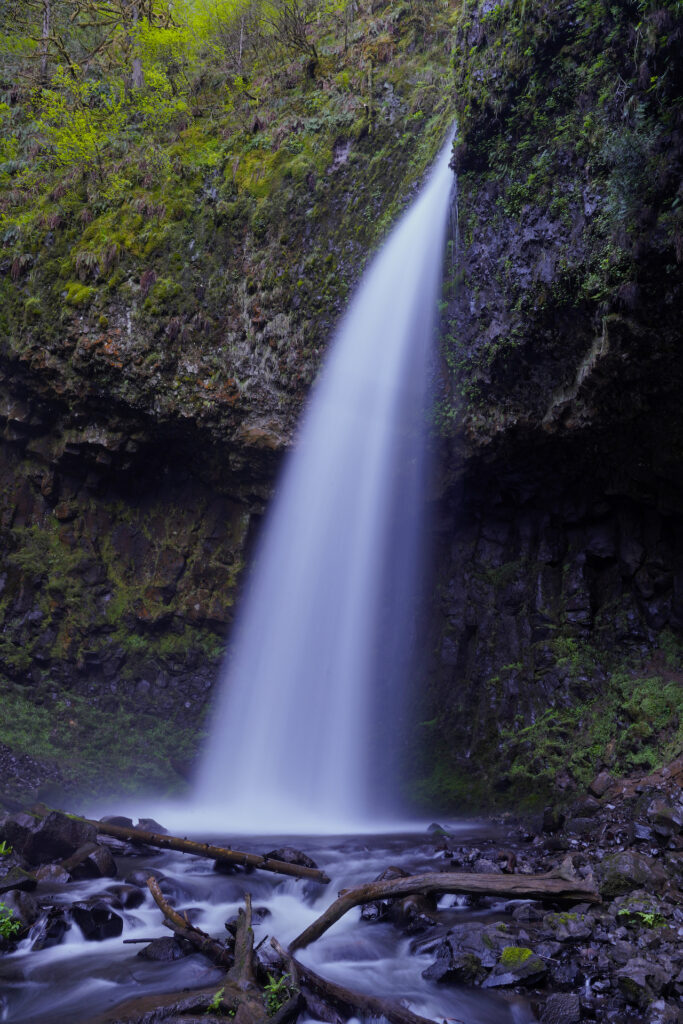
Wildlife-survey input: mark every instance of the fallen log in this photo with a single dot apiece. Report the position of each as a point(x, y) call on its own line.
point(240, 995)
point(215, 950)
point(530, 887)
point(345, 999)
point(219, 853)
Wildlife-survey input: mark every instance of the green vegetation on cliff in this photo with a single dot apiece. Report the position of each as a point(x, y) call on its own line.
point(188, 192)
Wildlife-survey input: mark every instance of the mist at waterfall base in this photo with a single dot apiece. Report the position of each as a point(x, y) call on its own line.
point(303, 734)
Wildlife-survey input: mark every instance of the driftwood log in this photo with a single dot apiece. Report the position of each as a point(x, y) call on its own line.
point(530, 887)
point(219, 853)
point(345, 999)
point(215, 950)
point(241, 995)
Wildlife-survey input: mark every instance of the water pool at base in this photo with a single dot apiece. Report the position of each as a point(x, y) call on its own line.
point(79, 981)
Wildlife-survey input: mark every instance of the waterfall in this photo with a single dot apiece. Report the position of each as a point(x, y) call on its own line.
point(301, 735)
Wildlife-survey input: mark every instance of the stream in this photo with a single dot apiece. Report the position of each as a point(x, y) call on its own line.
point(78, 980)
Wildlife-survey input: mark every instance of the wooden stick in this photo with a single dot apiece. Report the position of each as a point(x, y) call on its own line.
point(215, 950)
point(242, 970)
point(219, 853)
point(540, 887)
point(347, 999)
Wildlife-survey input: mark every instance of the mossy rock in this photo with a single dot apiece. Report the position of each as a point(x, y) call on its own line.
point(518, 965)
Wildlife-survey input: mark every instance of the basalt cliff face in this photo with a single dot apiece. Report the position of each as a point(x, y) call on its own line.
point(147, 402)
point(558, 603)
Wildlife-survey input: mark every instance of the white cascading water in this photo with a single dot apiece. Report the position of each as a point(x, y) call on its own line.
point(323, 640)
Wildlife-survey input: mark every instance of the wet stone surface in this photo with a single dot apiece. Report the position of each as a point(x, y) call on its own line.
point(618, 959)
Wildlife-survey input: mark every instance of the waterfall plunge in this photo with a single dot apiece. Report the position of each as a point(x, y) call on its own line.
point(323, 641)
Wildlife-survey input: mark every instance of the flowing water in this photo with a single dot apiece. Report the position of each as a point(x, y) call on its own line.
point(301, 737)
point(319, 662)
point(77, 981)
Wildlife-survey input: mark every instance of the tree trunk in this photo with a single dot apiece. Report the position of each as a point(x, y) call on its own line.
point(45, 42)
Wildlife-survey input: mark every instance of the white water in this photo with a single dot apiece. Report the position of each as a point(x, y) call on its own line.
point(324, 639)
point(77, 980)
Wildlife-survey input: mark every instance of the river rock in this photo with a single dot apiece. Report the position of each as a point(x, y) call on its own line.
point(117, 819)
point(666, 819)
point(562, 1008)
point(49, 929)
point(140, 875)
point(22, 906)
point(50, 838)
point(96, 919)
point(661, 1012)
point(517, 966)
point(91, 861)
point(640, 981)
point(290, 855)
point(128, 897)
point(166, 949)
point(569, 925)
point(53, 874)
point(17, 878)
point(601, 783)
point(623, 872)
point(150, 825)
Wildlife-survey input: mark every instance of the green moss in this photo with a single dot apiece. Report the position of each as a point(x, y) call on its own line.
point(96, 749)
point(515, 956)
point(78, 294)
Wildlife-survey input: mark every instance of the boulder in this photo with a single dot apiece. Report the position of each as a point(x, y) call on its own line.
point(23, 907)
point(517, 966)
point(150, 825)
point(53, 837)
point(117, 819)
point(96, 919)
point(460, 969)
point(17, 878)
point(53, 874)
point(91, 861)
point(623, 872)
point(567, 926)
point(128, 897)
point(562, 1008)
point(666, 820)
point(601, 783)
point(640, 981)
point(166, 949)
point(49, 929)
point(290, 855)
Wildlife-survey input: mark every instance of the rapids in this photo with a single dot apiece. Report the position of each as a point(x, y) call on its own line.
point(78, 981)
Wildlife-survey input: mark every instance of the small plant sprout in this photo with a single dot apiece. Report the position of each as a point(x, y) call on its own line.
point(5, 849)
point(277, 993)
point(215, 1003)
point(9, 926)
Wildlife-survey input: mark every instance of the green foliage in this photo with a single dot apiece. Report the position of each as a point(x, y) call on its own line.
point(9, 926)
point(651, 919)
point(72, 732)
point(277, 991)
point(5, 849)
point(215, 1004)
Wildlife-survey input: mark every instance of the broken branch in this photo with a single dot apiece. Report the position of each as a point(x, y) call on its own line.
point(540, 887)
point(215, 950)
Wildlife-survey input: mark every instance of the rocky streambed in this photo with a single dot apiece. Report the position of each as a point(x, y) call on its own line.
point(85, 941)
